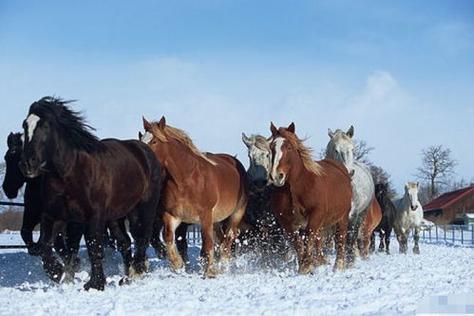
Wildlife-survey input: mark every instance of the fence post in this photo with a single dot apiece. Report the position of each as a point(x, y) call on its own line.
point(452, 229)
point(445, 241)
point(472, 234)
point(462, 235)
point(429, 235)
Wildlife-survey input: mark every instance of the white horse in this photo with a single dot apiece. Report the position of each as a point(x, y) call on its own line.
point(409, 216)
point(341, 148)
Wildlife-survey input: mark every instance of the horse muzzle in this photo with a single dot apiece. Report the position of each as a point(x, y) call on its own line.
point(414, 208)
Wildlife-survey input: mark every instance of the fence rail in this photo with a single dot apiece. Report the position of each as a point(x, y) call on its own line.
point(447, 234)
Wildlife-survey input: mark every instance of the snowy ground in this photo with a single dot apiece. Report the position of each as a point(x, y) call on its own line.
point(384, 284)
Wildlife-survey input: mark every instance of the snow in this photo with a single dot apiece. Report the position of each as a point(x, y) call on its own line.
point(384, 284)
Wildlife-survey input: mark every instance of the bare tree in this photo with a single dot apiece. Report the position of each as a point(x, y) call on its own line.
point(362, 151)
point(436, 167)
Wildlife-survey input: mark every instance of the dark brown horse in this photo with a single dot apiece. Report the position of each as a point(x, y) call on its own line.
point(90, 181)
point(388, 217)
point(199, 189)
point(371, 221)
point(310, 196)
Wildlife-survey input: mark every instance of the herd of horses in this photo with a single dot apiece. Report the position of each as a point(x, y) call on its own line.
point(154, 187)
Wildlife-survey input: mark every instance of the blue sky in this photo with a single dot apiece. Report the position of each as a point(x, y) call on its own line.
point(401, 72)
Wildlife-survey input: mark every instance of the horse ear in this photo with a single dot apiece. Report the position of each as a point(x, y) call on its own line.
point(10, 139)
point(146, 124)
point(291, 128)
point(330, 133)
point(162, 122)
point(350, 131)
point(140, 135)
point(246, 140)
point(273, 129)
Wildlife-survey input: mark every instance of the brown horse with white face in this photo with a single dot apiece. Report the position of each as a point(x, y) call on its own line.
point(318, 195)
point(199, 189)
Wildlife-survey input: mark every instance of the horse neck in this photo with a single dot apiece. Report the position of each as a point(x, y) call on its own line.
point(64, 159)
point(180, 162)
point(297, 174)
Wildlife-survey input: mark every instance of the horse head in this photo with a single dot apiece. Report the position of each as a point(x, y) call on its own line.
point(411, 193)
point(53, 132)
point(14, 179)
point(260, 156)
point(341, 147)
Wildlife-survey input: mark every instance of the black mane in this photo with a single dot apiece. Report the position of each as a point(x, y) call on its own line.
point(69, 123)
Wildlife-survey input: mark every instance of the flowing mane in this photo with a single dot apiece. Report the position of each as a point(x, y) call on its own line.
point(181, 137)
point(70, 124)
point(306, 154)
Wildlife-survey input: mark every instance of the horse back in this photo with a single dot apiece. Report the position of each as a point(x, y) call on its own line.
point(116, 178)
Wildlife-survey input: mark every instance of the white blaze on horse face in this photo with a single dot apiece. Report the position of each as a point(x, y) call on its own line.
point(412, 192)
point(146, 138)
point(31, 122)
point(278, 154)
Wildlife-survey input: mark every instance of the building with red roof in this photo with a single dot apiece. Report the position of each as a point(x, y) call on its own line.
point(451, 207)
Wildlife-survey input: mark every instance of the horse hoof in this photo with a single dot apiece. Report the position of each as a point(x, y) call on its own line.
point(98, 285)
point(34, 249)
point(125, 281)
point(339, 266)
point(306, 269)
point(211, 273)
point(416, 251)
point(177, 266)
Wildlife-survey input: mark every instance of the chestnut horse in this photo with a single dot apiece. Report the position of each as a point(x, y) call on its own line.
point(370, 223)
point(199, 189)
point(311, 196)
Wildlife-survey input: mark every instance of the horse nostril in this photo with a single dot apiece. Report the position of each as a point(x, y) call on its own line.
point(281, 175)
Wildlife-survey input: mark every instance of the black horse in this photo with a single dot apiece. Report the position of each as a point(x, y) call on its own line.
point(12, 183)
point(89, 181)
point(388, 216)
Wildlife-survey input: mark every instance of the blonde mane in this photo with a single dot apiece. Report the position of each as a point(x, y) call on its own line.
point(306, 154)
point(181, 137)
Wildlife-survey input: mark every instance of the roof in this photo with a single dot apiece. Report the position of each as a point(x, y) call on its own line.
point(469, 215)
point(447, 199)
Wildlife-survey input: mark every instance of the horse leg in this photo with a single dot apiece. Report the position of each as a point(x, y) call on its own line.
point(231, 233)
point(170, 225)
point(94, 234)
point(372, 242)
point(157, 244)
point(416, 237)
point(352, 233)
point(382, 244)
point(143, 228)
point(208, 247)
point(124, 244)
point(319, 241)
point(388, 233)
point(60, 244)
point(31, 218)
point(341, 233)
point(74, 233)
point(182, 241)
point(53, 268)
point(307, 263)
